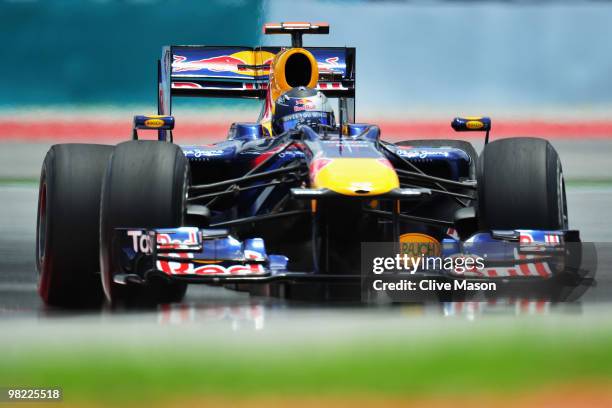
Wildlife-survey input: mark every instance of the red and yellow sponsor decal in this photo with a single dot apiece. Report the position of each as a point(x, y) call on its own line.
point(154, 123)
point(474, 124)
point(252, 63)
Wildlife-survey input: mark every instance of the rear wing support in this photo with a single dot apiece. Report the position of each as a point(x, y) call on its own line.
point(296, 30)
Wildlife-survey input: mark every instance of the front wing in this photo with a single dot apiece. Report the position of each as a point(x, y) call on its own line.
point(213, 256)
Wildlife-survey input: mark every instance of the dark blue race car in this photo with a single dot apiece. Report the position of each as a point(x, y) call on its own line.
point(283, 204)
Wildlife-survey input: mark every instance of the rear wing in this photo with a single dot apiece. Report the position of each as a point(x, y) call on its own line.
point(242, 72)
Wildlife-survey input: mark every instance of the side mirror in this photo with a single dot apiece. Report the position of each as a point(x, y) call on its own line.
point(164, 124)
point(472, 124)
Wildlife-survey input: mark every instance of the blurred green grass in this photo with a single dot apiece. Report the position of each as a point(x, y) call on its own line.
point(493, 362)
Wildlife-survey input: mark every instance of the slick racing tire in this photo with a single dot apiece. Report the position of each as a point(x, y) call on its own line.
point(67, 232)
point(457, 144)
point(521, 186)
point(145, 186)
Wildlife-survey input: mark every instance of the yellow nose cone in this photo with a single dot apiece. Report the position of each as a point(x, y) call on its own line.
point(354, 177)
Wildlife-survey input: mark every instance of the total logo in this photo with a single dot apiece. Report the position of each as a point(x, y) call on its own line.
point(142, 243)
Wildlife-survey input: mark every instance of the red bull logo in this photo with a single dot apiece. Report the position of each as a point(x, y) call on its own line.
point(243, 62)
point(223, 63)
point(303, 104)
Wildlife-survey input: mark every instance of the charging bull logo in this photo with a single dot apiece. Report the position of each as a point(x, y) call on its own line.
point(252, 63)
point(223, 63)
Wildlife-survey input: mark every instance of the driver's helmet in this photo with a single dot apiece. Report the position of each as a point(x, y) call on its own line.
point(301, 106)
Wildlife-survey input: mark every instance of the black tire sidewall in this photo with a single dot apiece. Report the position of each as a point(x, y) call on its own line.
point(556, 189)
point(520, 186)
point(144, 187)
point(70, 180)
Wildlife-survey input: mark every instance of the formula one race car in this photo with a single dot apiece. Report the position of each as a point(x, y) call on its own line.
point(284, 203)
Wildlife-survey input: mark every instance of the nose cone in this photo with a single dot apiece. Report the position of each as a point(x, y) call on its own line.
point(354, 176)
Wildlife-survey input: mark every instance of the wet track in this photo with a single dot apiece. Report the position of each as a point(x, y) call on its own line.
point(589, 212)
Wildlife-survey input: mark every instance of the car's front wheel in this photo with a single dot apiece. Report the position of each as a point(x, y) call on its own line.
point(521, 186)
point(68, 225)
point(145, 186)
